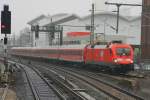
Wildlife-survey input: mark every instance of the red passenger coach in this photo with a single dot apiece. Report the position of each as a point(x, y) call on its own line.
point(72, 53)
point(114, 56)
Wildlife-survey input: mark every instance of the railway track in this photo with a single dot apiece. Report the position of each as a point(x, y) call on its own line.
point(111, 90)
point(62, 90)
point(39, 87)
point(132, 80)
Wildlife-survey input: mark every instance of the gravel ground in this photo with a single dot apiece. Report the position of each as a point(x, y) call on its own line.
point(11, 95)
point(144, 88)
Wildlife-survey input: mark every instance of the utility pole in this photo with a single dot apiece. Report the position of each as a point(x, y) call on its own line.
point(145, 29)
point(92, 25)
point(118, 11)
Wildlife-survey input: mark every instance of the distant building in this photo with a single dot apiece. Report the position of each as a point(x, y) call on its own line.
point(25, 39)
point(105, 24)
point(83, 38)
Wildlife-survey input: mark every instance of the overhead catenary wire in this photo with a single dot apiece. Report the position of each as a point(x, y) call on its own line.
point(118, 5)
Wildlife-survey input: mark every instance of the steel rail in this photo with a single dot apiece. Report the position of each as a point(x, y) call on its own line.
point(79, 77)
point(62, 97)
point(113, 86)
point(34, 91)
point(46, 81)
point(101, 81)
point(79, 97)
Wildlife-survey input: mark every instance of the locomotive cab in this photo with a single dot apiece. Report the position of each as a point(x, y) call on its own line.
point(116, 57)
point(122, 56)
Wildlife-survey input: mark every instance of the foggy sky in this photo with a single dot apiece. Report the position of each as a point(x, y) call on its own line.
point(25, 10)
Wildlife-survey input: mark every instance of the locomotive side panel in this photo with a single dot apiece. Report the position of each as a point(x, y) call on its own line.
point(89, 55)
point(96, 55)
point(107, 56)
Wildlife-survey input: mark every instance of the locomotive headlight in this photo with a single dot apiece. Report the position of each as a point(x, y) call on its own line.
point(131, 61)
point(118, 60)
point(115, 60)
point(122, 60)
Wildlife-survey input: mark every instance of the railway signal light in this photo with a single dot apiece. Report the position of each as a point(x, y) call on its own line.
point(37, 31)
point(32, 28)
point(6, 20)
point(52, 28)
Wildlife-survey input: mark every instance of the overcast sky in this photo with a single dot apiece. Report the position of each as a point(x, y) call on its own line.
point(25, 10)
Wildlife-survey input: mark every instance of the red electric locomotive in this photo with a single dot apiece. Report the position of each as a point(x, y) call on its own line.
point(115, 56)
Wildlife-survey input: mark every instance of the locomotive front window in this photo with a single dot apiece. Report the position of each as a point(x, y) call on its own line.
point(123, 51)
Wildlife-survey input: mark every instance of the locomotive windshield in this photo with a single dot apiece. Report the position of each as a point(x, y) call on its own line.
point(123, 51)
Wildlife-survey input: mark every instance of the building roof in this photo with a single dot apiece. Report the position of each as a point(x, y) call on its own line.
point(59, 14)
point(127, 18)
point(36, 19)
point(62, 19)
